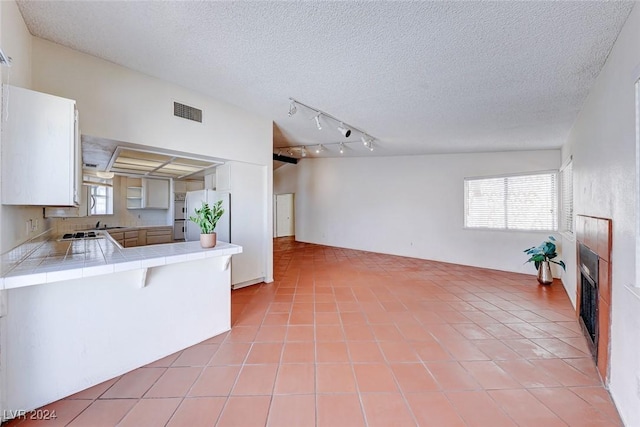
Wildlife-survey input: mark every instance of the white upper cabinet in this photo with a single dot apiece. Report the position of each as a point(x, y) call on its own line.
point(210, 181)
point(156, 193)
point(223, 177)
point(41, 159)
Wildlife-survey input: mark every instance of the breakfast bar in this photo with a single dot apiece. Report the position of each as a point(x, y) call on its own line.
point(83, 311)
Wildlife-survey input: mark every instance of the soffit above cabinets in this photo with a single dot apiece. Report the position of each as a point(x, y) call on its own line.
point(127, 160)
point(124, 158)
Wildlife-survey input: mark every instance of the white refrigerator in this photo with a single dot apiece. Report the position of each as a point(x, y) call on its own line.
point(194, 200)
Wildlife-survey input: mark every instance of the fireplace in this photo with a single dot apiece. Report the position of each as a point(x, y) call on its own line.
point(593, 286)
point(588, 262)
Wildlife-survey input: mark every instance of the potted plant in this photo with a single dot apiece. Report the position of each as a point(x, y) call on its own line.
point(541, 256)
point(207, 218)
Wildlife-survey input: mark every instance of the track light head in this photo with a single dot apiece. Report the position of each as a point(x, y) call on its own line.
point(292, 108)
point(317, 119)
point(303, 151)
point(341, 148)
point(346, 132)
point(366, 140)
point(320, 149)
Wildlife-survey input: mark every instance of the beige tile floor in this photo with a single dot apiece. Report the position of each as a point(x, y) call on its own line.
point(349, 338)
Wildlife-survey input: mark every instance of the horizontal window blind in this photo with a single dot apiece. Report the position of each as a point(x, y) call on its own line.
point(519, 202)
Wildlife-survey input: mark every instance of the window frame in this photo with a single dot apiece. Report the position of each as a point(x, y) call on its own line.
point(505, 176)
point(561, 194)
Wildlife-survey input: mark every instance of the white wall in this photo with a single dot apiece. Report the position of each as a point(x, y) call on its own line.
point(16, 43)
point(120, 104)
point(603, 145)
point(411, 206)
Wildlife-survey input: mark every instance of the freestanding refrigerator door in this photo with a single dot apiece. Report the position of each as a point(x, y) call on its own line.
point(193, 200)
point(223, 228)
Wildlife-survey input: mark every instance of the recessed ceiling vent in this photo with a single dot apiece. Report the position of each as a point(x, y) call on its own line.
point(187, 112)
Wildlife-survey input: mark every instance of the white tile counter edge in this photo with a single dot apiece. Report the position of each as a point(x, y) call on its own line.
point(141, 257)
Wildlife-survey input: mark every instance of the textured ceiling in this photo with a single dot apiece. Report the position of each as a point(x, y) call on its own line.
point(420, 77)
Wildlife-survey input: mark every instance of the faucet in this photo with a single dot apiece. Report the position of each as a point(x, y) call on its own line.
point(98, 224)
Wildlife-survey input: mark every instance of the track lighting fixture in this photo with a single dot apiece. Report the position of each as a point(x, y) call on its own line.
point(345, 129)
point(366, 140)
point(279, 152)
point(346, 132)
point(292, 108)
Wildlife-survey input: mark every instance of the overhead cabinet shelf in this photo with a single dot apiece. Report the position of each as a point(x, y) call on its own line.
point(134, 198)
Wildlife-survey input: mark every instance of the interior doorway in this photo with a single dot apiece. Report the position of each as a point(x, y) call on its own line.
point(284, 223)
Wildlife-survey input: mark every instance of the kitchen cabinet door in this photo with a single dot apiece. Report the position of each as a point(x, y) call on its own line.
point(156, 193)
point(210, 181)
point(40, 149)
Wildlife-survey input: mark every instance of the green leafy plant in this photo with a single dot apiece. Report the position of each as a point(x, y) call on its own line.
point(207, 217)
point(546, 251)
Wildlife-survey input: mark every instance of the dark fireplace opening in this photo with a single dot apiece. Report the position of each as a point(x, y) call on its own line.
point(589, 296)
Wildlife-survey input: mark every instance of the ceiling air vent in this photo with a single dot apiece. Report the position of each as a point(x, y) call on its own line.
point(187, 112)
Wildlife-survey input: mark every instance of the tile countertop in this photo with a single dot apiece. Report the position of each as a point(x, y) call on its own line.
point(54, 261)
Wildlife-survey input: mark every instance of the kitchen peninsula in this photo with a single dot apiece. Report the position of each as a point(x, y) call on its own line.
point(83, 311)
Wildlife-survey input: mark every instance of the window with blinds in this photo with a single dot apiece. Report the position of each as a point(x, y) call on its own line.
point(515, 202)
point(566, 197)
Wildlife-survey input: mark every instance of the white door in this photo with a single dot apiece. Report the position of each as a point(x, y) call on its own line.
point(284, 215)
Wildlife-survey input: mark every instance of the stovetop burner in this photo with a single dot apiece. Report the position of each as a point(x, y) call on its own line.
point(79, 235)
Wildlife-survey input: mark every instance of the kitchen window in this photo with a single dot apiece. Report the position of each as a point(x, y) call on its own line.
point(100, 195)
point(513, 202)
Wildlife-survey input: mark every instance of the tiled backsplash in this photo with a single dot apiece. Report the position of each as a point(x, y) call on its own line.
point(65, 225)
